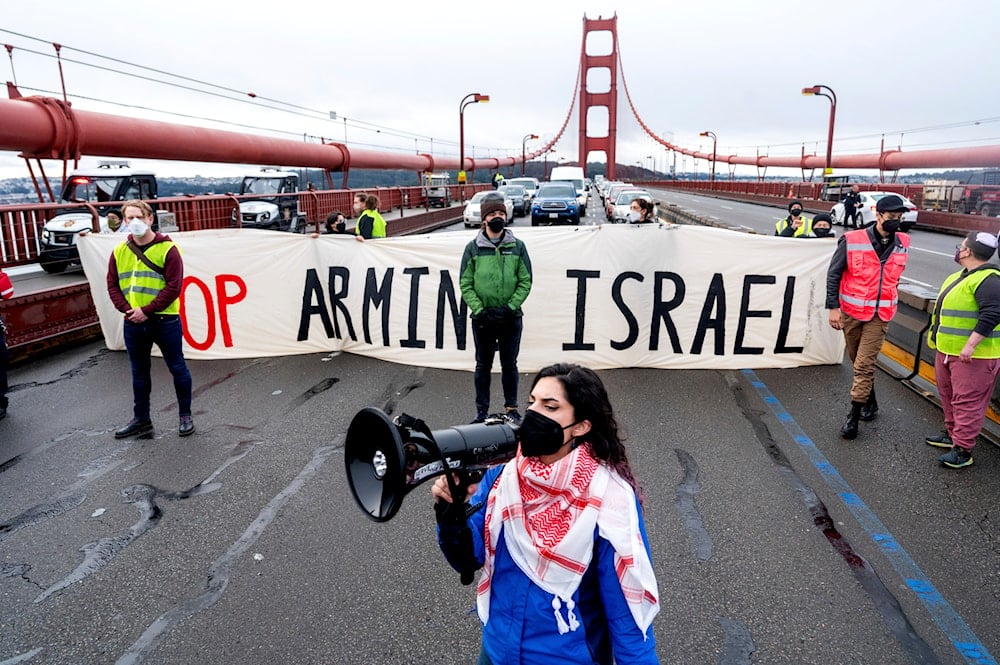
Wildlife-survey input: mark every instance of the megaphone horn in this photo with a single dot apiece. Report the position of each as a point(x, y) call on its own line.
point(386, 459)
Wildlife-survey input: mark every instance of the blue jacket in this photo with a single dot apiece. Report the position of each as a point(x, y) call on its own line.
point(522, 629)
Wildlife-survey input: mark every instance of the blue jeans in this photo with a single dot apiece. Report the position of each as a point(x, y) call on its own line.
point(165, 331)
point(503, 336)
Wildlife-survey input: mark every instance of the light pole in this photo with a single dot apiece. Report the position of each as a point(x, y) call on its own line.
point(528, 137)
point(711, 178)
point(545, 166)
point(471, 98)
point(818, 90)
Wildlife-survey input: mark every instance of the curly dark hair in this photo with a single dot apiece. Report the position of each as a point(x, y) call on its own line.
point(586, 392)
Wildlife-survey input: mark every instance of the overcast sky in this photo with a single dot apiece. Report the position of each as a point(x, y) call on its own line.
point(734, 67)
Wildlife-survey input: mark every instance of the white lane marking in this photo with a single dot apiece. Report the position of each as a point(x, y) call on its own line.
point(918, 283)
point(930, 251)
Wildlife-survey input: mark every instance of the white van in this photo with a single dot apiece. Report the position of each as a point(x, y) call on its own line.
point(573, 174)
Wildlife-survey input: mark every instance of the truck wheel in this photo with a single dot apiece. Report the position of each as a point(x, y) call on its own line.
point(986, 210)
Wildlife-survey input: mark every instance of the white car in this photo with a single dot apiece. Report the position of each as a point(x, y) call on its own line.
point(867, 210)
point(471, 215)
point(623, 203)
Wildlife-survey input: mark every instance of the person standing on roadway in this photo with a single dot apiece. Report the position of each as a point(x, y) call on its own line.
point(497, 179)
point(370, 223)
point(965, 331)
point(852, 203)
point(560, 536)
point(495, 278)
point(795, 225)
point(822, 226)
point(862, 291)
point(145, 275)
point(6, 293)
point(640, 211)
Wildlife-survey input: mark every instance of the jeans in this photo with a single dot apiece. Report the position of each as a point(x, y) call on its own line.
point(164, 330)
point(490, 337)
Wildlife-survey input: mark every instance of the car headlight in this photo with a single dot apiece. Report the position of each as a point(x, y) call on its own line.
point(263, 217)
point(45, 234)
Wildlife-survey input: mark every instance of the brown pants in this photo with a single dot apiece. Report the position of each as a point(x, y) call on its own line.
point(864, 341)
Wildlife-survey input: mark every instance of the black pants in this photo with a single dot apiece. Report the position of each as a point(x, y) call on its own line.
point(3, 365)
point(490, 337)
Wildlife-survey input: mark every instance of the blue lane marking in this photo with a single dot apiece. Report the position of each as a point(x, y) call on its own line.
point(947, 619)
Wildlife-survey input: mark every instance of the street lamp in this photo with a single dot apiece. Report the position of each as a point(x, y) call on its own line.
point(818, 90)
point(471, 98)
point(711, 178)
point(545, 165)
point(529, 137)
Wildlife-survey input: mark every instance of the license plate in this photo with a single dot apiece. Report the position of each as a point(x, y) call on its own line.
point(554, 215)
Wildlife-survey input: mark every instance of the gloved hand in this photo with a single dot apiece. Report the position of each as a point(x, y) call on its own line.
point(500, 313)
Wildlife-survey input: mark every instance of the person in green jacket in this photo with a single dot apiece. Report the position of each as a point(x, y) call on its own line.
point(495, 281)
point(370, 223)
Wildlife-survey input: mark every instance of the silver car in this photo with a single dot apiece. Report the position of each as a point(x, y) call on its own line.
point(620, 209)
point(471, 215)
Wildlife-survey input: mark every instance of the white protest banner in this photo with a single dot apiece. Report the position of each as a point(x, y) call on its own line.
point(607, 296)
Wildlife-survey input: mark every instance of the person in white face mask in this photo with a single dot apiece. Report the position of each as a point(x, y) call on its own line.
point(640, 211)
point(145, 275)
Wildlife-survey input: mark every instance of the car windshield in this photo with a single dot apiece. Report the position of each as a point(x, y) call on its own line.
point(92, 190)
point(478, 197)
point(514, 190)
point(627, 197)
point(557, 191)
point(262, 185)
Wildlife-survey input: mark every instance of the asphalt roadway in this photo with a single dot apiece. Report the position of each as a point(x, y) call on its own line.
point(773, 540)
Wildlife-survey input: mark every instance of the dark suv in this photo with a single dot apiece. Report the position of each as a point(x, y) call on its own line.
point(555, 203)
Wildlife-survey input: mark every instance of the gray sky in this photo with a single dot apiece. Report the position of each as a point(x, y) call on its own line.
point(733, 67)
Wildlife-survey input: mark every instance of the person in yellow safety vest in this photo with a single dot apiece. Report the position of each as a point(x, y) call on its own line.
point(370, 223)
point(862, 292)
point(795, 225)
point(965, 331)
point(145, 276)
point(497, 180)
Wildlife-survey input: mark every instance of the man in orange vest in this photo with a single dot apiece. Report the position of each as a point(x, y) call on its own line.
point(862, 290)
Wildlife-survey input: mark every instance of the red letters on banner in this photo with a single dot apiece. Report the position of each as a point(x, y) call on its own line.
point(224, 298)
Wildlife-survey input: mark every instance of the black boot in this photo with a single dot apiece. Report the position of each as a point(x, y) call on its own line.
point(850, 428)
point(870, 408)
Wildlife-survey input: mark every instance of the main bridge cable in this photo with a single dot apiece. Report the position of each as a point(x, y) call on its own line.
point(302, 111)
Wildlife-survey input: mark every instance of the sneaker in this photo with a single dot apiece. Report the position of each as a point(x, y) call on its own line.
point(480, 418)
point(135, 427)
point(956, 458)
point(513, 417)
point(941, 440)
point(3, 413)
point(186, 426)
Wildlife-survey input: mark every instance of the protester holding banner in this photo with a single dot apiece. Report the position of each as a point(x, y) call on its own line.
point(560, 536)
point(145, 275)
point(795, 225)
point(822, 226)
point(862, 289)
point(965, 331)
point(6, 292)
point(370, 223)
point(495, 278)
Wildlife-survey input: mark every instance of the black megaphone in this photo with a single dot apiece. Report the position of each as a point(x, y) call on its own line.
point(385, 459)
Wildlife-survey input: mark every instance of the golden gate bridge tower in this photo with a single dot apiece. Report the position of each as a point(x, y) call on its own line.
point(599, 101)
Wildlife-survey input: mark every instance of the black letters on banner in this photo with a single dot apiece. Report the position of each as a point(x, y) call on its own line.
point(379, 297)
point(313, 303)
point(411, 341)
point(786, 317)
point(714, 299)
point(661, 310)
point(633, 323)
point(581, 303)
point(459, 313)
point(746, 313)
point(337, 296)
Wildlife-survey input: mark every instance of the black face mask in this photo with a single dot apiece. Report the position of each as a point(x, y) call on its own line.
point(821, 233)
point(890, 225)
point(796, 212)
point(540, 435)
point(496, 224)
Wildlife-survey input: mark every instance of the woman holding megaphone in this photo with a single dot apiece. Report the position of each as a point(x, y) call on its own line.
point(559, 535)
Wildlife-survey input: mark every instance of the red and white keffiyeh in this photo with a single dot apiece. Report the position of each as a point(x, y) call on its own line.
point(549, 513)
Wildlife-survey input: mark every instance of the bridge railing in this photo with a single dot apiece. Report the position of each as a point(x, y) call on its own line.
point(21, 225)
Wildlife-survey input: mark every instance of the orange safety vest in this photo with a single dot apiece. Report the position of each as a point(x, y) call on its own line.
point(868, 287)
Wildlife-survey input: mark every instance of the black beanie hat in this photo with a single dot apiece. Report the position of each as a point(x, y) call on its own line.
point(794, 202)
